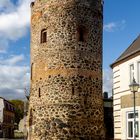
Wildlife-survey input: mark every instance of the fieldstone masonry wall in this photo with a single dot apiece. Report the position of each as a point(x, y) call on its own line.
point(66, 70)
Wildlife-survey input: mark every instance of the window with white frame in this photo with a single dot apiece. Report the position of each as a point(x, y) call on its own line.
point(130, 125)
point(138, 71)
point(131, 68)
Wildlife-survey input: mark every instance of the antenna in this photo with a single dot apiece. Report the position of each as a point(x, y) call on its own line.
point(25, 112)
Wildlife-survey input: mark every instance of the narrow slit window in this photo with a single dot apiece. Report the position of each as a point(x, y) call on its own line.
point(85, 100)
point(32, 71)
point(81, 34)
point(31, 117)
point(43, 36)
point(72, 90)
point(39, 94)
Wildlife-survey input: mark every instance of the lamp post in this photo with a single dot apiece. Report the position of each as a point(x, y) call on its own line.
point(134, 88)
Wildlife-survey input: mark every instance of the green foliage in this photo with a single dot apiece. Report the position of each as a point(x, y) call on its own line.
point(19, 110)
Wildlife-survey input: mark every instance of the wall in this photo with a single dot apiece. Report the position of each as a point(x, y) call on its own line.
point(1, 109)
point(121, 82)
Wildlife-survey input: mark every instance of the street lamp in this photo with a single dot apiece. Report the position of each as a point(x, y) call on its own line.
point(134, 88)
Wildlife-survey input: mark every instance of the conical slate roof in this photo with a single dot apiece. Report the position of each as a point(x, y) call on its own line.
point(132, 49)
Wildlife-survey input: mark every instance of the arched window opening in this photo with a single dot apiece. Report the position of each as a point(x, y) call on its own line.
point(39, 93)
point(43, 36)
point(32, 4)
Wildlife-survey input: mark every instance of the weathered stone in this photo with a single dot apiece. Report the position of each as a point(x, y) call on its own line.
point(66, 70)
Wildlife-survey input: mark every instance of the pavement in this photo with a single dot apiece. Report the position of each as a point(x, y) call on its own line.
point(10, 139)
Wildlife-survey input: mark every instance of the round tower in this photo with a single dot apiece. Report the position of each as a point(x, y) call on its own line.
point(66, 70)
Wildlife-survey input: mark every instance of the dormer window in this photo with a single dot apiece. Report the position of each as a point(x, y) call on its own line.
point(43, 36)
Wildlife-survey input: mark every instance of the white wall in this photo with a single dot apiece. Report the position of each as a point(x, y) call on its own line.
point(1, 109)
point(121, 82)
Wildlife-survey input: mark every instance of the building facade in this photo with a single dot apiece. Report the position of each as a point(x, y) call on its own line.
point(125, 68)
point(66, 70)
point(7, 117)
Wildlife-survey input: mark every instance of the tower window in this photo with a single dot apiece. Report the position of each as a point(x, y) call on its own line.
point(32, 4)
point(81, 34)
point(85, 99)
point(31, 117)
point(32, 71)
point(39, 93)
point(72, 90)
point(43, 36)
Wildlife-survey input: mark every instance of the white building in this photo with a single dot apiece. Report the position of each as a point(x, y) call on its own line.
point(1, 115)
point(1, 109)
point(124, 68)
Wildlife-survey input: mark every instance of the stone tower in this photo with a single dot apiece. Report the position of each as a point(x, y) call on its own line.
point(66, 70)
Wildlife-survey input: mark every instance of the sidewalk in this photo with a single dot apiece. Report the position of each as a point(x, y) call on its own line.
point(9, 139)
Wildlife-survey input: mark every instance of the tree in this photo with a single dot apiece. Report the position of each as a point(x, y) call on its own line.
point(19, 110)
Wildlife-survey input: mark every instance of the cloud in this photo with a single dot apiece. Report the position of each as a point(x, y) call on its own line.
point(12, 60)
point(110, 26)
point(6, 6)
point(10, 94)
point(3, 45)
point(14, 24)
point(115, 26)
point(107, 81)
point(13, 77)
point(14, 21)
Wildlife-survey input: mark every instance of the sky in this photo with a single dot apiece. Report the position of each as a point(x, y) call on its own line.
point(121, 27)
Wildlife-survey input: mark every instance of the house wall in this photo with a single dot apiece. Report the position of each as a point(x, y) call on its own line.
point(1, 110)
point(121, 82)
